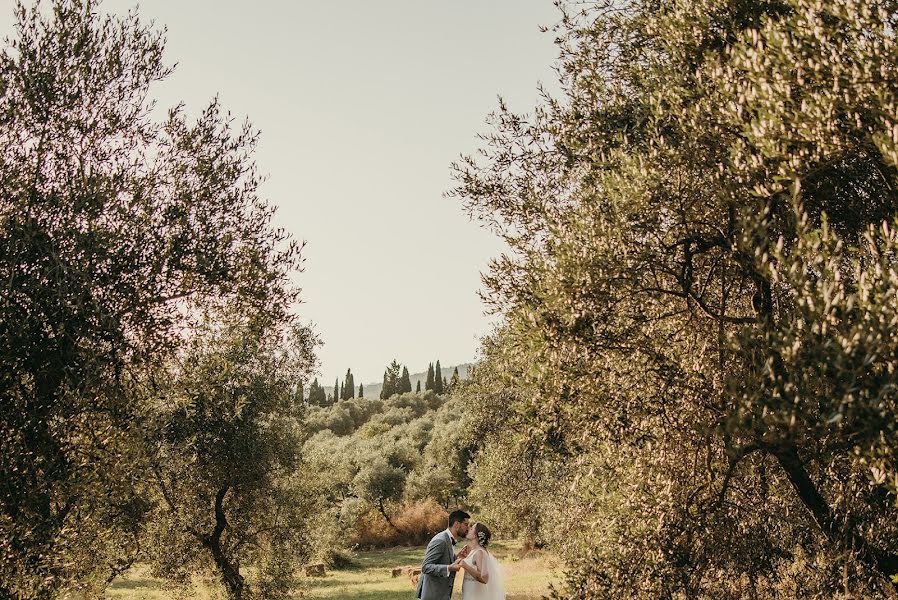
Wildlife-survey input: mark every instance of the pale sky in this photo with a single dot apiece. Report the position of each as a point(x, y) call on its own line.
point(362, 105)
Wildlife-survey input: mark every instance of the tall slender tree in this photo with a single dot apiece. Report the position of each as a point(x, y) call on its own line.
point(428, 385)
point(361, 390)
point(391, 380)
point(455, 379)
point(349, 387)
point(405, 383)
point(386, 390)
point(438, 385)
point(317, 395)
point(418, 386)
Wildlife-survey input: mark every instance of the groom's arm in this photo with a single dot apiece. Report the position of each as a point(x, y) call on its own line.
point(432, 565)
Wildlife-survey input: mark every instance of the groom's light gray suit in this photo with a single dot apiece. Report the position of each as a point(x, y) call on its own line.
point(436, 581)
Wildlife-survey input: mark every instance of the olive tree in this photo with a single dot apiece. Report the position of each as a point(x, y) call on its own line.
point(698, 296)
point(119, 221)
point(227, 465)
point(379, 482)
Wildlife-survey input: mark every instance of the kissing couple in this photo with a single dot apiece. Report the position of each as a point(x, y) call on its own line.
point(483, 576)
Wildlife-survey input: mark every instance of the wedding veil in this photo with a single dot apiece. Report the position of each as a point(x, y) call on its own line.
point(496, 585)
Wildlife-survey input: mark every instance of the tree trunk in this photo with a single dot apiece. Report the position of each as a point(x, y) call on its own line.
point(380, 505)
point(883, 562)
point(230, 573)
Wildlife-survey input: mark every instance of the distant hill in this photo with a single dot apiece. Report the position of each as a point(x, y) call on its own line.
point(372, 390)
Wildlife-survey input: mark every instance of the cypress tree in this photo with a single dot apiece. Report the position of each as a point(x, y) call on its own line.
point(361, 390)
point(349, 387)
point(428, 385)
point(317, 394)
point(405, 384)
point(391, 381)
point(438, 379)
point(342, 392)
point(455, 379)
point(418, 387)
point(385, 390)
point(336, 389)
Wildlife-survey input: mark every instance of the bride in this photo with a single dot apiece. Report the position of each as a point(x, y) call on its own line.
point(483, 575)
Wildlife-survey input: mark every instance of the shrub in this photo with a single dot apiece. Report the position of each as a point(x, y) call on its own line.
point(415, 522)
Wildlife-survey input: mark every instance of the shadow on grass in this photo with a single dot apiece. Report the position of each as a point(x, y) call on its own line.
point(380, 595)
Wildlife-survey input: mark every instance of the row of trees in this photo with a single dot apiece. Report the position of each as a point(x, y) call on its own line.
point(396, 381)
point(318, 396)
point(436, 381)
point(698, 353)
point(147, 352)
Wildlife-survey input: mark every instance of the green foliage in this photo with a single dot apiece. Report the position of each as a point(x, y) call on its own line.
point(317, 395)
point(120, 223)
point(443, 471)
point(428, 385)
point(227, 456)
point(405, 384)
point(349, 386)
point(375, 455)
point(378, 481)
point(438, 381)
point(697, 356)
point(393, 381)
point(453, 383)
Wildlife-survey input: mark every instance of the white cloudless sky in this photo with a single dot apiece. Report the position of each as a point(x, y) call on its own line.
point(362, 106)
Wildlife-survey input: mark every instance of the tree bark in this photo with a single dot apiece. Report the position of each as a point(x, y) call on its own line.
point(230, 573)
point(383, 511)
point(883, 562)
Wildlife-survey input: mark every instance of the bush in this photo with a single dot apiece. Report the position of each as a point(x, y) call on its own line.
point(415, 522)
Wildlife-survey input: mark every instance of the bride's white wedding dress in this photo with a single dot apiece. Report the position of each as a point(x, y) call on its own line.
point(494, 589)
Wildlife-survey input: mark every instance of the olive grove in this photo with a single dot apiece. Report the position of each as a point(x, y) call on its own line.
point(125, 230)
point(697, 359)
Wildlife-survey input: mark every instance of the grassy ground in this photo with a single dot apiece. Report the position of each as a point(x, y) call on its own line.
point(371, 579)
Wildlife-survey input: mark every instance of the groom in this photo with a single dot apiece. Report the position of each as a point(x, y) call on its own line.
point(439, 568)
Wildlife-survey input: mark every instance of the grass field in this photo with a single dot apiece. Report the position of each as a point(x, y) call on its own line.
point(526, 579)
